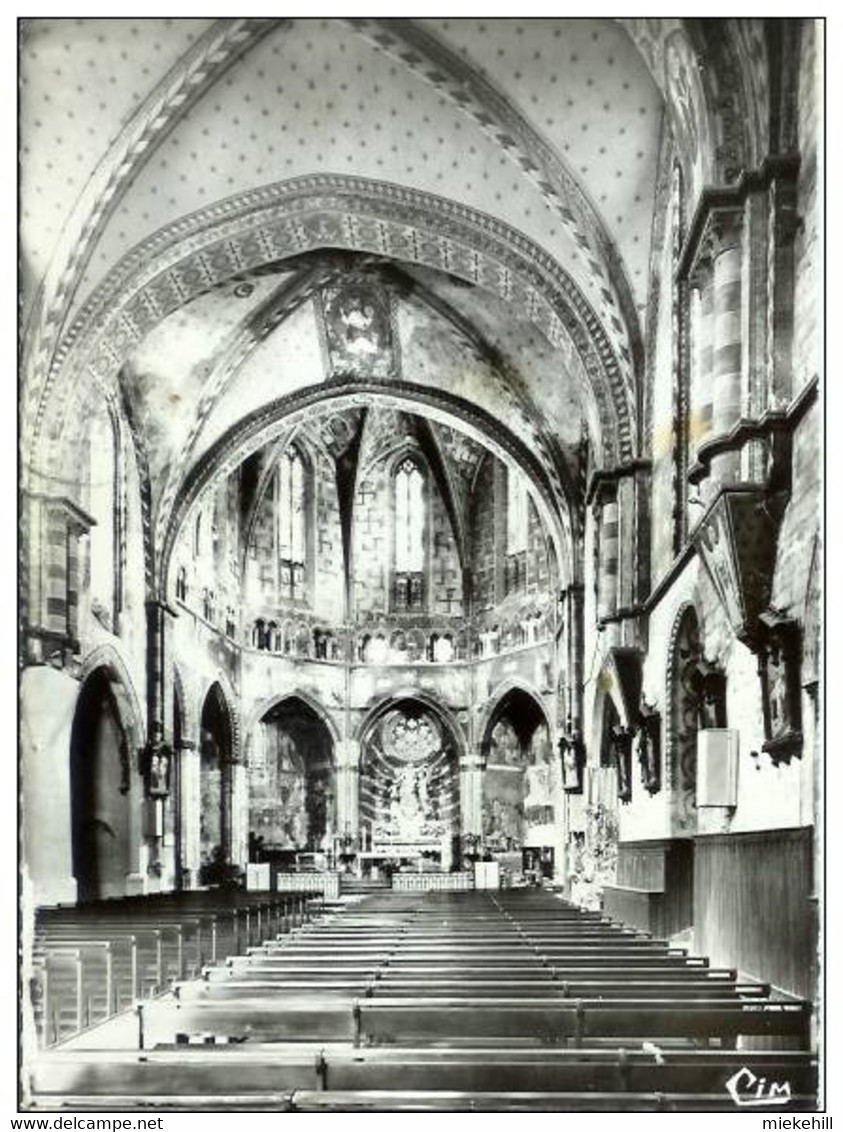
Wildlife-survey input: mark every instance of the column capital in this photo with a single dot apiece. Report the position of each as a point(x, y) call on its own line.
point(347, 754)
point(473, 762)
point(723, 231)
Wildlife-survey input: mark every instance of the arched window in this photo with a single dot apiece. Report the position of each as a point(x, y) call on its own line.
point(409, 536)
point(516, 532)
point(181, 583)
point(292, 528)
point(516, 513)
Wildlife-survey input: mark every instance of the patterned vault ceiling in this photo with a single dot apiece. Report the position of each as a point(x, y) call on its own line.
point(551, 127)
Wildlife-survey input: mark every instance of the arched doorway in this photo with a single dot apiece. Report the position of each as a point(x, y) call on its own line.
point(99, 791)
point(215, 753)
point(409, 786)
point(292, 793)
point(521, 784)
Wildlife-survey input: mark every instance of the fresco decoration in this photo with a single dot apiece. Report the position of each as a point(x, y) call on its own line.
point(291, 792)
point(520, 786)
point(542, 778)
point(594, 856)
point(211, 800)
point(687, 103)
point(359, 337)
point(409, 789)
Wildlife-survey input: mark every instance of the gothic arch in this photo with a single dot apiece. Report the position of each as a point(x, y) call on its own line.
point(270, 224)
point(188, 705)
point(260, 427)
point(496, 701)
point(132, 716)
point(413, 694)
point(310, 701)
point(228, 701)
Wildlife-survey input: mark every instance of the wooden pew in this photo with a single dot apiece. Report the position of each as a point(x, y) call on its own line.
point(409, 1021)
point(460, 1101)
point(381, 985)
point(91, 961)
point(221, 1070)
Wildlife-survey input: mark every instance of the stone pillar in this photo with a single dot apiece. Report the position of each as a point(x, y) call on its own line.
point(574, 600)
point(238, 851)
point(158, 731)
point(187, 829)
point(702, 345)
point(159, 674)
point(608, 531)
point(471, 796)
point(725, 237)
point(347, 756)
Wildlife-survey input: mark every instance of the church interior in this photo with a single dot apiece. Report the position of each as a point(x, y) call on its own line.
point(421, 562)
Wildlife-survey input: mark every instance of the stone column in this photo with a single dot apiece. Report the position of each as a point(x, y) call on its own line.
point(159, 671)
point(574, 600)
point(187, 848)
point(702, 361)
point(238, 850)
point(471, 795)
point(608, 530)
point(725, 238)
point(158, 731)
point(347, 755)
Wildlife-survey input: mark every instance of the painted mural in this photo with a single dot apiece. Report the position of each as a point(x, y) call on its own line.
point(520, 787)
point(504, 791)
point(291, 799)
point(409, 791)
point(211, 800)
point(358, 331)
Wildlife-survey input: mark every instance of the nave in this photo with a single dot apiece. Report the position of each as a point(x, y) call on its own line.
point(421, 489)
point(508, 1000)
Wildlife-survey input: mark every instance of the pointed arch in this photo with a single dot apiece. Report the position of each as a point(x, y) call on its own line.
point(106, 656)
point(308, 699)
point(498, 701)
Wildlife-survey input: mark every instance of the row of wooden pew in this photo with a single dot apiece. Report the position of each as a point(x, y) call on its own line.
point(449, 1002)
point(92, 961)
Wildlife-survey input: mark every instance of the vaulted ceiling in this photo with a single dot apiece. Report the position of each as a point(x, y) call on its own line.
point(497, 176)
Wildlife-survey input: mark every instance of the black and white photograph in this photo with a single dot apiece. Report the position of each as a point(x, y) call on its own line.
point(421, 566)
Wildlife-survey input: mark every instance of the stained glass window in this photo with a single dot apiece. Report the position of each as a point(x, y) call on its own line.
point(516, 513)
point(292, 531)
point(409, 536)
point(409, 518)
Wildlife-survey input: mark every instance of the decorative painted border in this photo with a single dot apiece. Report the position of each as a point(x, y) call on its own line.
point(244, 233)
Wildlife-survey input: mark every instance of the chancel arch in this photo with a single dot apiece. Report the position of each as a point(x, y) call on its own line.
point(258, 430)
